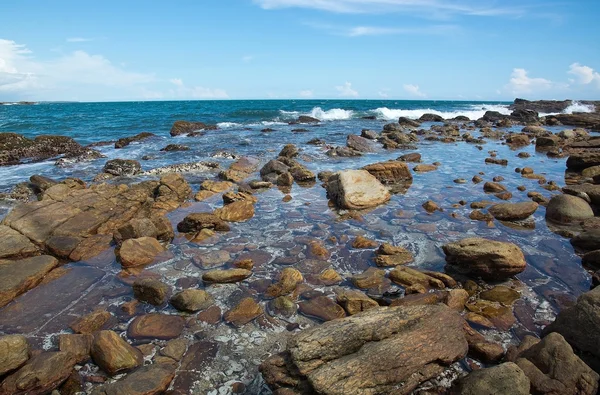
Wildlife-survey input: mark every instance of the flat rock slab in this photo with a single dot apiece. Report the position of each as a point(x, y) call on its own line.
point(15, 245)
point(18, 277)
point(513, 211)
point(156, 326)
point(193, 365)
point(31, 311)
point(151, 379)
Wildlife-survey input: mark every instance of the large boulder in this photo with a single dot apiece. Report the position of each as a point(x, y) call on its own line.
point(379, 351)
point(553, 368)
point(356, 189)
point(390, 172)
point(513, 211)
point(489, 259)
point(568, 208)
point(359, 144)
point(139, 252)
point(579, 325)
point(504, 379)
point(185, 127)
point(15, 147)
point(583, 160)
point(589, 192)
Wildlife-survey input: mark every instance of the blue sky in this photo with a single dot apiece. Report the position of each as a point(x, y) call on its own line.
point(239, 49)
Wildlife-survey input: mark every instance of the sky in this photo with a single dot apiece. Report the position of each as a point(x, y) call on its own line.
point(278, 49)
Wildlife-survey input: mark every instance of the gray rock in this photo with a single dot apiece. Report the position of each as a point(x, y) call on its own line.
point(504, 379)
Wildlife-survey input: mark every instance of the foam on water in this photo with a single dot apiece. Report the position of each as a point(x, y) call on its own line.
point(579, 107)
point(331, 115)
point(471, 111)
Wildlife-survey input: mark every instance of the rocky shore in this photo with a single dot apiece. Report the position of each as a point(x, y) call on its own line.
point(381, 270)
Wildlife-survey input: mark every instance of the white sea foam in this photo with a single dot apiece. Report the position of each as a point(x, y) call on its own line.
point(331, 115)
point(473, 112)
point(579, 107)
point(226, 125)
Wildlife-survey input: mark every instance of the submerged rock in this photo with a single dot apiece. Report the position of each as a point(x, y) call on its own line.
point(139, 252)
point(356, 189)
point(513, 211)
point(17, 277)
point(150, 379)
point(125, 141)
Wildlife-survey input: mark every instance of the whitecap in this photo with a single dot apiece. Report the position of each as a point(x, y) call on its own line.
point(331, 115)
point(226, 125)
point(472, 111)
point(573, 108)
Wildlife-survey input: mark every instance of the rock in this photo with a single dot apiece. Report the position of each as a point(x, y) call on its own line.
point(125, 141)
point(17, 277)
point(388, 255)
point(322, 308)
point(356, 189)
point(150, 291)
point(553, 368)
point(14, 245)
point(591, 190)
point(148, 380)
point(408, 277)
point(283, 306)
point(113, 354)
point(412, 157)
point(489, 259)
point(354, 301)
point(379, 351)
point(424, 168)
point(156, 326)
point(244, 312)
point(343, 152)
point(496, 161)
point(582, 161)
point(192, 300)
point(493, 187)
point(15, 147)
point(456, 299)
point(288, 281)
point(226, 276)
point(390, 172)
point(40, 375)
point(14, 352)
point(92, 322)
point(289, 151)
point(185, 127)
point(139, 252)
point(501, 294)
point(493, 116)
point(480, 348)
point(513, 211)
point(578, 325)
point(568, 208)
point(504, 379)
point(211, 259)
point(591, 172)
point(403, 121)
point(369, 134)
point(359, 144)
point(431, 206)
point(361, 242)
point(122, 167)
point(239, 211)
point(305, 119)
point(302, 174)
point(175, 349)
point(195, 222)
point(78, 345)
point(273, 167)
point(525, 115)
point(431, 118)
point(175, 147)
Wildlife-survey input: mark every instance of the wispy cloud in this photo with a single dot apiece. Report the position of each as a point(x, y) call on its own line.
point(381, 31)
point(425, 7)
point(584, 75)
point(520, 82)
point(247, 58)
point(346, 90)
point(78, 39)
point(414, 90)
point(182, 91)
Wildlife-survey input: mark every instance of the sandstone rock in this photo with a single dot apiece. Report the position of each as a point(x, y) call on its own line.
point(388, 255)
point(361, 242)
point(359, 144)
point(488, 259)
point(513, 211)
point(156, 326)
point(553, 368)
point(14, 352)
point(288, 280)
point(175, 349)
point(583, 160)
point(197, 221)
point(591, 190)
point(92, 322)
point(322, 308)
point(17, 277)
point(40, 375)
point(175, 148)
point(148, 380)
point(501, 294)
point(226, 276)
point(78, 345)
point(408, 277)
point(354, 301)
point(412, 157)
point(15, 147)
point(356, 189)
point(504, 379)
point(239, 211)
point(192, 300)
point(568, 208)
point(150, 291)
point(381, 350)
point(390, 172)
point(244, 312)
point(14, 245)
point(284, 306)
point(370, 278)
point(456, 299)
point(424, 168)
point(113, 354)
point(139, 252)
point(501, 316)
point(480, 348)
point(493, 187)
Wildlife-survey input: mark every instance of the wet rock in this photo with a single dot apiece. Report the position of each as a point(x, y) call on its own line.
point(588, 192)
point(356, 189)
point(226, 276)
point(568, 208)
point(390, 172)
point(409, 277)
point(501, 294)
point(289, 279)
point(359, 144)
point(504, 379)
point(175, 148)
point(122, 167)
point(14, 245)
point(369, 134)
point(195, 222)
point(148, 380)
point(412, 157)
point(244, 312)
point(431, 118)
point(488, 259)
point(175, 349)
point(17, 277)
point(354, 301)
point(40, 375)
point(289, 151)
point(125, 141)
point(92, 322)
point(14, 353)
point(151, 291)
point(370, 278)
point(283, 306)
point(322, 308)
point(578, 325)
point(15, 147)
point(185, 127)
point(78, 345)
point(239, 211)
point(424, 168)
point(382, 350)
point(496, 161)
point(361, 242)
point(139, 252)
point(513, 211)
point(113, 354)
point(156, 326)
point(272, 169)
point(211, 259)
point(493, 187)
point(501, 316)
point(546, 142)
point(388, 255)
point(431, 206)
point(480, 348)
point(240, 169)
point(553, 368)
point(456, 299)
point(343, 152)
point(192, 300)
point(305, 119)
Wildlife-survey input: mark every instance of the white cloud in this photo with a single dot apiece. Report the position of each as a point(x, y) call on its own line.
point(520, 83)
point(384, 93)
point(247, 58)
point(78, 39)
point(359, 31)
point(195, 92)
point(425, 7)
point(306, 93)
point(585, 75)
point(346, 90)
point(414, 90)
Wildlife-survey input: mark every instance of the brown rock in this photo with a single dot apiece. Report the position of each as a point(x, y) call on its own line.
point(244, 312)
point(226, 276)
point(370, 278)
point(151, 291)
point(493, 187)
point(407, 277)
point(192, 300)
point(78, 345)
point(354, 301)
point(457, 298)
point(14, 245)
point(198, 221)
point(113, 354)
point(322, 308)
point(139, 252)
point(501, 294)
point(504, 379)
point(362, 242)
point(513, 211)
point(17, 277)
point(212, 315)
point(289, 278)
point(356, 189)
point(239, 211)
point(14, 352)
point(148, 380)
point(156, 326)
point(92, 322)
point(390, 172)
point(424, 168)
